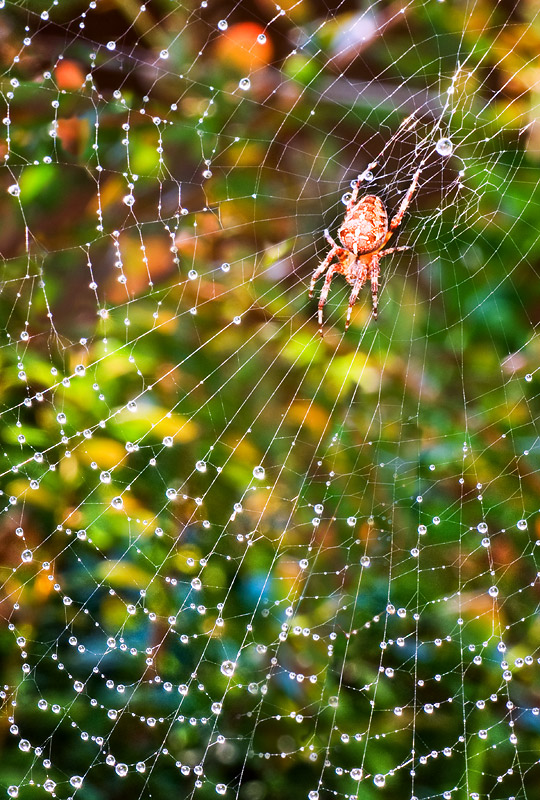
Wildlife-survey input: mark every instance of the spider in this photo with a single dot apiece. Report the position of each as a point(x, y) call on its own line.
point(363, 233)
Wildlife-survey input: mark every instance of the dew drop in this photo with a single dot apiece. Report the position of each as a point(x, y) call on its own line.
point(379, 780)
point(196, 584)
point(121, 769)
point(200, 466)
point(259, 473)
point(244, 84)
point(76, 781)
point(221, 788)
point(105, 477)
point(117, 503)
point(482, 527)
point(129, 200)
point(261, 38)
point(228, 668)
point(223, 24)
point(522, 525)
point(26, 556)
point(444, 147)
point(171, 494)
point(14, 190)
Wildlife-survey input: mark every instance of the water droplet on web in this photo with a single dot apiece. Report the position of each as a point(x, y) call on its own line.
point(351, 521)
point(216, 708)
point(171, 494)
point(522, 524)
point(129, 200)
point(318, 509)
point(111, 46)
point(244, 84)
point(528, 377)
point(482, 527)
point(356, 773)
point(121, 769)
point(61, 418)
point(196, 584)
point(223, 25)
point(13, 791)
point(164, 54)
point(225, 267)
point(379, 780)
point(345, 198)
point(313, 795)
point(200, 466)
point(221, 788)
point(303, 564)
point(444, 147)
point(192, 274)
point(493, 591)
point(228, 668)
point(14, 190)
point(76, 781)
point(259, 473)
point(105, 477)
point(26, 556)
point(261, 38)
point(365, 561)
point(117, 503)
point(140, 766)
point(49, 785)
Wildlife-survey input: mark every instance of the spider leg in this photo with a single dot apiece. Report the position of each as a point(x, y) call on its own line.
point(382, 253)
point(375, 283)
point(324, 294)
point(359, 282)
point(321, 268)
point(405, 202)
point(330, 240)
point(354, 196)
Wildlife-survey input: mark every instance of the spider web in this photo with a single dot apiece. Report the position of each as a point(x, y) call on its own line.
point(239, 557)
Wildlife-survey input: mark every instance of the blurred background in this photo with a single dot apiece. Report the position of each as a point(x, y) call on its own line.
point(239, 557)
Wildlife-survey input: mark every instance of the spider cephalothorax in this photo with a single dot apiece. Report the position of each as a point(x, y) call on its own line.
point(363, 233)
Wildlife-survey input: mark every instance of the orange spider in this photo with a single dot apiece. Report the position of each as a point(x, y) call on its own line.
point(363, 233)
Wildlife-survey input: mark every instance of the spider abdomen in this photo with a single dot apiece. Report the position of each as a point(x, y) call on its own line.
point(365, 225)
